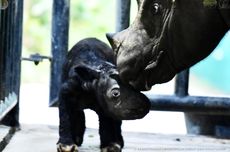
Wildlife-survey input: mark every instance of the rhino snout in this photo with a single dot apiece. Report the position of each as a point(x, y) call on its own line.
point(110, 36)
point(113, 42)
point(134, 107)
point(136, 113)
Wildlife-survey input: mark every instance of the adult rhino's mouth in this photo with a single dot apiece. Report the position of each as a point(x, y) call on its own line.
point(135, 71)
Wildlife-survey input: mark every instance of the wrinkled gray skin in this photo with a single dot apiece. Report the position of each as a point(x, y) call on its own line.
point(167, 37)
point(90, 80)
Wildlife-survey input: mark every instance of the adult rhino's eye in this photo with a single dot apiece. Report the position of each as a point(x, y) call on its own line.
point(156, 8)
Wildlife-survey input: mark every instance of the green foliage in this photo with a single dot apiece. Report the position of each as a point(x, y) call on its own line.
point(88, 18)
point(91, 18)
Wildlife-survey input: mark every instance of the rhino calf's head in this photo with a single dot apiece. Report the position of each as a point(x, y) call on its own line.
point(118, 100)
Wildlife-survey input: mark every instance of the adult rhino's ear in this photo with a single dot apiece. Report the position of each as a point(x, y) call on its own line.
point(85, 73)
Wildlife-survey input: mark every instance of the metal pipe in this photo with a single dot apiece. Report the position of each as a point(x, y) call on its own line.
point(122, 14)
point(59, 44)
point(11, 40)
point(181, 83)
point(196, 104)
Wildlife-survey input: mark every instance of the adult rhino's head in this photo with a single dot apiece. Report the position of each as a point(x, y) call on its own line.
point(118, 100)
point(166, 37)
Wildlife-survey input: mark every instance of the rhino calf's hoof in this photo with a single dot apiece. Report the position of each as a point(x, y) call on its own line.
point(67, 148)
point(112, 148)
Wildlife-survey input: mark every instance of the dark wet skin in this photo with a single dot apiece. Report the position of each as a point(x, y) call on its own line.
point(90, 80)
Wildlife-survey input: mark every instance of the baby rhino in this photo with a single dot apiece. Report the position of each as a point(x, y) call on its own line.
point(90, 80)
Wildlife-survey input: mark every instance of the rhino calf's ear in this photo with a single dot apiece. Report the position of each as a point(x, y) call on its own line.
point(86, 73)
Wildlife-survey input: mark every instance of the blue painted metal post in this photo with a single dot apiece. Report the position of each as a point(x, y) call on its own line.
point(181, 84)
point(10, 45)
point(3, 42)
point(207, 121)
point(122, 14)
point(60, 33)
point(1, 59)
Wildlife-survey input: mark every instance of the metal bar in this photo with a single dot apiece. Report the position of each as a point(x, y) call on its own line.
point(12, 46)
point(3, 52)
point(17, 45)
point(1, 55)
point(12, 56)
point(196, 104)
point(13, 116)
point(122, 14)
point(60, 33)
point(8, 39)
point(181, 83)
point(36, 58)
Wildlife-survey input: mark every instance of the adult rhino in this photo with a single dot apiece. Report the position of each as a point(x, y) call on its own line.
point(166, 37)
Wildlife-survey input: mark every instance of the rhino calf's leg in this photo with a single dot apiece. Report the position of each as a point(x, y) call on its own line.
point(112, 148)
point(65, 142)
point(110, 134)
point(78, 127)
point(67, 148)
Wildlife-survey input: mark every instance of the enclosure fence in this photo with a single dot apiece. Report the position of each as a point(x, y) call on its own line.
point(10, 58)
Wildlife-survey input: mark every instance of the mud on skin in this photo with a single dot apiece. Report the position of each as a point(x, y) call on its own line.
point(90, 80)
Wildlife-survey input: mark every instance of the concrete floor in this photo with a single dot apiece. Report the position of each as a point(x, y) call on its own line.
point(146, 133)
point(3, 132)
point(43, 138)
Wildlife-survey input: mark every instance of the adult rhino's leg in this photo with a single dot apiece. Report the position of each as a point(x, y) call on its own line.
point(213, 125)
point(110, 134)
point(65, 142)
point(78, 127)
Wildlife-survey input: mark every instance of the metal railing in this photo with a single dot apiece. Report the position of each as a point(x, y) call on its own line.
point(59, 45)
point(10, 54)
point(10, 60)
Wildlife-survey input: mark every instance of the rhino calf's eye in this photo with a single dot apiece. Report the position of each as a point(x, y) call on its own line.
point(115, 92)
point(156, 8)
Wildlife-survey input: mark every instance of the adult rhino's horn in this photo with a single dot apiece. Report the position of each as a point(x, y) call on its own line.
point(113, 42)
